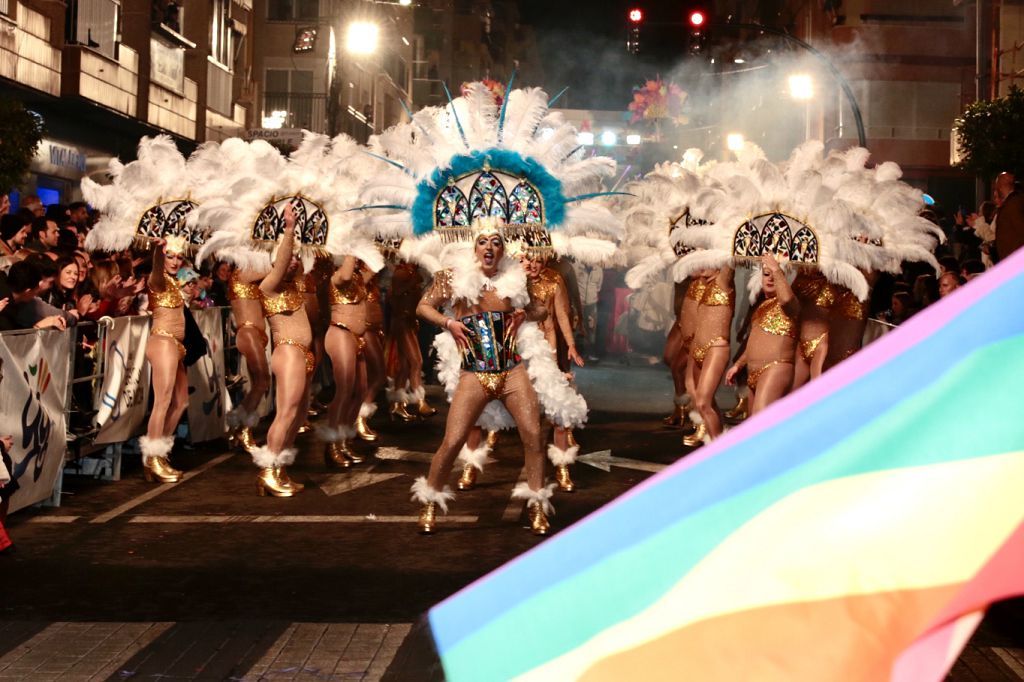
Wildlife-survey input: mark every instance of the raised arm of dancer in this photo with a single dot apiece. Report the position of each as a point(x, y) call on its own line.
point(345, 271)
point(279, 268)
point(787, 299)
point(156, 276)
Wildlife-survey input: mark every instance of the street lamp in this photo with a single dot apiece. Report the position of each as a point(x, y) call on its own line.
point(734, 141)
point(801, 86)
point(609, 138)
point(362, 37)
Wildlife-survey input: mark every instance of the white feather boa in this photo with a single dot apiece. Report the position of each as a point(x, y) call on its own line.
point(469, 281)
point(561, 403)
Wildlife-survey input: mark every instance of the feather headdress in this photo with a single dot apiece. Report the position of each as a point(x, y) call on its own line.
point(517, 163)
point(149, 198)
point(250, 185)
point(829, 213)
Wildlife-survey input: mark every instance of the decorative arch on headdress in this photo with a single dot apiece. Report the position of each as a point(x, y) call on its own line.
point(309, 218)
point(169, 219)
point(779, 234)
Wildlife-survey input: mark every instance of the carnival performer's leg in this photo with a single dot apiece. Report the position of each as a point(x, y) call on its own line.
point(343, 348)
point(817, 365)
point(179, 400)
point(468, 403)
point(520, 399)
point(164, 360)
point(672, 345)
point(562, 454)
point(700, 431)
point(414, 361)
point(773, 384)
point(710, 377)
point(375, 376)
point(289, 366)
point(252, 345)
point(472, 457)
point(680, 368)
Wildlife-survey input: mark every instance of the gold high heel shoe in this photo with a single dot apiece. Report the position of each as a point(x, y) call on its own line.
point(364, 430)
point(398, 409)
point(424, 409)
point(268, 483)
point(492, 439)
point(428, 518)
point(286, 481)
point(246, 440)
point(467, 481)
point(539, 524)
point(159, 470)
point(675, 419)
point(741, 411)
point(697, 437)
point(563, 479)
point(572, 439)
point(334, 455)
point(305, 428)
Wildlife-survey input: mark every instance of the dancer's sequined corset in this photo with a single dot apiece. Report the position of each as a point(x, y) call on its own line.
point(492, 348)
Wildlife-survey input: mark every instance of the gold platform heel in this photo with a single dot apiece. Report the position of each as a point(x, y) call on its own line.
point(159, 470)
point(334, 455)
point(675, 420)
point(400, 411)
point(572, 439)
point(564, 480)
point(741, 411)
point(424, 409)
point(492, 439)
point(428, 519)
point(246, 440)
point(697, 437)
point(539, 524)
point(268, 483)
point(467, 481)
point(285, 480)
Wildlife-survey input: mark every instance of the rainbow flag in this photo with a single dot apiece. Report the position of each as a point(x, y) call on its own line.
point(855, 530)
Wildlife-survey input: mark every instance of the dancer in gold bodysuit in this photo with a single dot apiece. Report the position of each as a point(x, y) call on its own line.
point(292, 363)
point(847, 320)
point(404, 359)
point(165, 352)
point(709, 351)
point(816, 296)
point(373, 356)
point(773, 339)
point(251, 341)
point(346, 345)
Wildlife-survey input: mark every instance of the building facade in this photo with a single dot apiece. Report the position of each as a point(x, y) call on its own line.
point(103, 73)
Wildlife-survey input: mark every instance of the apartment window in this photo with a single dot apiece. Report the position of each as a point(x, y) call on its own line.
point(222, 39)
point(289, 10)
point(95, 23)
point(290, 94)
point(5, 7)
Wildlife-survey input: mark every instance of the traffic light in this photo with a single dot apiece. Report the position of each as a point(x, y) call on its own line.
point(698, 18)
point(635, 17)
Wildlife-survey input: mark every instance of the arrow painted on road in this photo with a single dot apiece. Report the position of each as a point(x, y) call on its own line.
point(604, 461)
point(398, 454)
point(336, 484)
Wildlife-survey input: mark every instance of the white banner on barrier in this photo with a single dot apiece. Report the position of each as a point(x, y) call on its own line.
point(122, 400)
point(206, 408)
point(34, 379)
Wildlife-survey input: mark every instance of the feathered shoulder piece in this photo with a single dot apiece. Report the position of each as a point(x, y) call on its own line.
point(829, 213)
point(517, 162)
point(148, 198)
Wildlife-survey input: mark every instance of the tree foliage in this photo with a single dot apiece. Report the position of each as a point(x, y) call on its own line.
point(21, 131)
point(991, 135)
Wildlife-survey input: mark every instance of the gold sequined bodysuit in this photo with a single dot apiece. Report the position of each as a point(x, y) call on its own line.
point(816, 296)
point(348, 307)
point(288, 321)
point(244, 298)
point(714, 317)
point(168, 309)
point(548, 290)
point(773, 335)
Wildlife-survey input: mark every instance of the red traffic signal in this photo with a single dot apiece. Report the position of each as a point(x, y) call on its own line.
point(636, 15)
point(697, 18)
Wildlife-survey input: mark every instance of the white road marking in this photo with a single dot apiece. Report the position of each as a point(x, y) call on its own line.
point(336, 484)
point(604, 460)
point(53, 519)
point(284, 518)
point(157, 491)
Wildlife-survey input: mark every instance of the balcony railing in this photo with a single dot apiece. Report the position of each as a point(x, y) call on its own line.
point(301, 110)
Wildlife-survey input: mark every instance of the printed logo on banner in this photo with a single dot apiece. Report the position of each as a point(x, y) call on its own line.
point(35, 430)
point(131, 396)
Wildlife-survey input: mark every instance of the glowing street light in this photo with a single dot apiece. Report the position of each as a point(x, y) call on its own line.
point(404, 3)
point(633, 139)
point(585, 138)
point(608, 138)
point(801, 86)
point(734, 141)
point(361, 37)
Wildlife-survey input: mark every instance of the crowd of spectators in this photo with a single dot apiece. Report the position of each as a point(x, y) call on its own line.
point(48, 280)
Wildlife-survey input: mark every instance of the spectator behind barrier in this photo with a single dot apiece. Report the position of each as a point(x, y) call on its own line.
point(971, 269)
point(25, 309)
point(14, 232)
point(44, 235)
point(948, 283)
